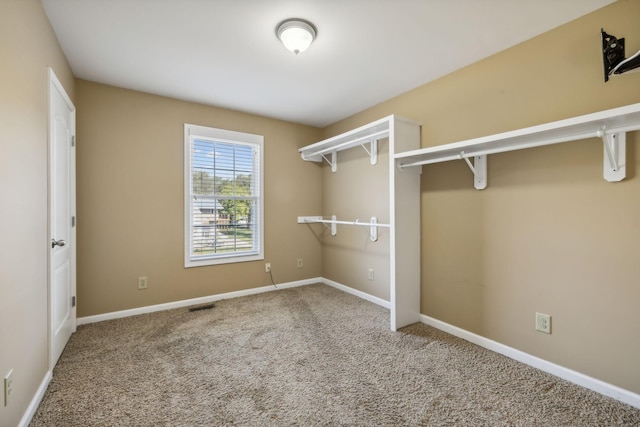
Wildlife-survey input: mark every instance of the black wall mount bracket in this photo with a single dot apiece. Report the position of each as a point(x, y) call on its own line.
point(613, 58)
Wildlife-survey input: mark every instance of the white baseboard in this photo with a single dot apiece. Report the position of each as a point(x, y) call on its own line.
point(35, 401)
point(363, 295)
point(211, 298)
point(194, 301)
point(578, 378)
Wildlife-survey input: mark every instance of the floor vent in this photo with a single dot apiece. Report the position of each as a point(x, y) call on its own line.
point(202, 307)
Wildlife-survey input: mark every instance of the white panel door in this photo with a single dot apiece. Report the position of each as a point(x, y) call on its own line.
point(62, 275)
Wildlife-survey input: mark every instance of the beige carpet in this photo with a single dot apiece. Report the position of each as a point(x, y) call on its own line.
point(303, 356)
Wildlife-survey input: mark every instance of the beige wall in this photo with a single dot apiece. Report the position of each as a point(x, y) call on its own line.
point(27, 47)
point(357, 190)
point(548, 234)
point(130, 201)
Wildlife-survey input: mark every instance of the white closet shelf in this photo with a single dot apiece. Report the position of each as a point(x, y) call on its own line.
point(367, 134)
point(610, 125)
point(372, 225)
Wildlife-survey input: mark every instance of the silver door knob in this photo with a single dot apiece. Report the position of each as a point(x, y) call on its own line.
point(55, 243)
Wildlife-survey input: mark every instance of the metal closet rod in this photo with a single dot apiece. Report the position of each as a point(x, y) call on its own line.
point(319, 219)
point(356, 222)
point(373, 224)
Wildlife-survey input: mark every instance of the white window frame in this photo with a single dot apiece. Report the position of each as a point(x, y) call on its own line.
point(191, 133)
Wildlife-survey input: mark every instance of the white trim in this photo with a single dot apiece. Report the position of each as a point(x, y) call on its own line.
point(193, 301)
point(53, 79)
point(363, 295)
point(575, 377)
point(35, 401)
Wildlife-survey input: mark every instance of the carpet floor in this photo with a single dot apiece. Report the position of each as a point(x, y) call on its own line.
point(304, 356)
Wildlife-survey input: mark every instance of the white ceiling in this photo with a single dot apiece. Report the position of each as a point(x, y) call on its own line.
point(225, 52)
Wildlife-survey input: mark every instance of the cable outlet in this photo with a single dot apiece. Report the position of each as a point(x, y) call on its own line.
point(543, 323)
point(8, 388)
point(299, 262)
point(267, 267)
point(371, 275)
point(143, 282)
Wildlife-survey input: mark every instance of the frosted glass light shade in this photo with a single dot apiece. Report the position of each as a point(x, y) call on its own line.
point(296, 35)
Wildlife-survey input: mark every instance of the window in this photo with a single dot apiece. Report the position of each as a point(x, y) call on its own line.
point(223, 196)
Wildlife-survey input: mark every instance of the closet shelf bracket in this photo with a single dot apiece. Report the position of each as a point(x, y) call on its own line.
point(333, 162)
point(478, 168)
point(615, 144)
point(373, 152)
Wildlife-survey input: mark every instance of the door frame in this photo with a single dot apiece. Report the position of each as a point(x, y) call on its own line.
point(55, 85)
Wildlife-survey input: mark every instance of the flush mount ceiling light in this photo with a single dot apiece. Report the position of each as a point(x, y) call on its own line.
point(296, 34)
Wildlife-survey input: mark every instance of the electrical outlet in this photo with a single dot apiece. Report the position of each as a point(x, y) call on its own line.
point(267, 267)
point(299, 262)
point(371, 276)
point(543, 323)
point(8, 388)
point(143, 283)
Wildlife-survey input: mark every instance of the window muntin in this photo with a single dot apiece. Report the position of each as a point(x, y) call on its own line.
point(223, 196)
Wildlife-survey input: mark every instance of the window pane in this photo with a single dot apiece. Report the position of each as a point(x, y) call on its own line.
point(222, 226)
point(202, 182)
point(225, 210)
point(204, 225)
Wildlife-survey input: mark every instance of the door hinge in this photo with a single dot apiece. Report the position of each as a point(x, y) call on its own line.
point(73, 140)
point(73, 221)
point(73, 301)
